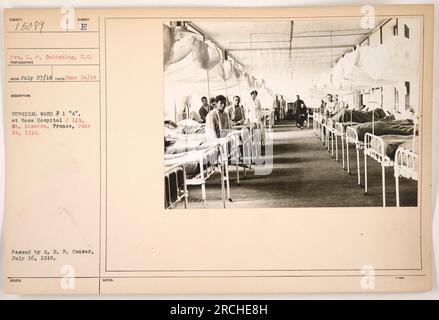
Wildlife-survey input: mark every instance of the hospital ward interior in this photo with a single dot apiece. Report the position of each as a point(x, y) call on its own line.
point(291, 114)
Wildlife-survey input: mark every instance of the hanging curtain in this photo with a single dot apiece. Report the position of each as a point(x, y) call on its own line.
point(168, 43)
point(214, 57)
point(200, 54)
point(390, 62)
point(181, 49)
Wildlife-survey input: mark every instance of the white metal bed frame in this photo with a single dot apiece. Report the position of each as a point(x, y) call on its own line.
point(182, 194)
point(405, 160)
point(246, 138)
point(320, 127)
point(404, 166)
point(330, 134)
point(229, 151)
point(339, 132)
point(210, 161)
point(323, 131)
point(324, 127)
point(257, 132)
point(315, 123)
point(217, 157)
point(351, 136)
point(379, 156)
point(310, 116)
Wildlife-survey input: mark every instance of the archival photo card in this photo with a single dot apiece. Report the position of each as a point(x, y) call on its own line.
point(233, 150)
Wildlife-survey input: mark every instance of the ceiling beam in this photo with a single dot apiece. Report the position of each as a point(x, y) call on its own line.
point(291, 39)
point(374, 30)
point(293, 48)
point(330, 30)
point(302, 37)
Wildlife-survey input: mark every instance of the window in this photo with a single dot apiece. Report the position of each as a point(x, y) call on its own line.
point(396, 99)
point(406, 31)
point(375, 97)
point(381, 35)
point(407, 95)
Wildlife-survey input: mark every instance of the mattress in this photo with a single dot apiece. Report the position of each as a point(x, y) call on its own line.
point(190, 161)
point(190, 158)
point(186, 149)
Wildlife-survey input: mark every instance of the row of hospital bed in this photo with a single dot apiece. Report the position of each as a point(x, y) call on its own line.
point(390, 142)
point(196, 160)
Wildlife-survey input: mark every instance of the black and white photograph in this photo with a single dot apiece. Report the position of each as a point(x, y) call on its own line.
point(292, 114)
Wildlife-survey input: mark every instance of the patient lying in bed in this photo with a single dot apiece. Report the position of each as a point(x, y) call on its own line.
point(357, 116)
point(187, 135)
point(385, 127)
point(185, 143)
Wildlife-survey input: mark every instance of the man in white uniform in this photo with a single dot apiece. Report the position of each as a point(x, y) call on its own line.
point(254, 109)
point(330, 105)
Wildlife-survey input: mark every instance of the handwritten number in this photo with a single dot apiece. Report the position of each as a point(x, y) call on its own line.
point(36, 26)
